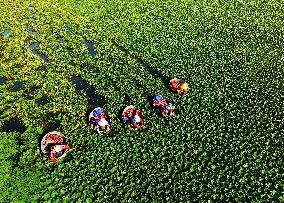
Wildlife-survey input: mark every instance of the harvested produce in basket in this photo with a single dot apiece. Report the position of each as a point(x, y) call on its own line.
point(179, 86)
point(53, 144)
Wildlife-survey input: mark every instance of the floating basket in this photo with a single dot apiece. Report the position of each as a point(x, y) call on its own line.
point(54, 145)
point(179, 86)
point(103, 119)
point(163, 106)
point(132, 117)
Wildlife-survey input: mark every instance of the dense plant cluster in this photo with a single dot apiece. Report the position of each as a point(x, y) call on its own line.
point(60, 59)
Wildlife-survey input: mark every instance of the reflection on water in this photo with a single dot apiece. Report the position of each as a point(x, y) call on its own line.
point(68, 29)
point(90, 47)
point(6, 32)
point(43, 57)
point(30, 19)
point(35, 45)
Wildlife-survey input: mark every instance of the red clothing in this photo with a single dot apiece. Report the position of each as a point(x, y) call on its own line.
point(55, 155)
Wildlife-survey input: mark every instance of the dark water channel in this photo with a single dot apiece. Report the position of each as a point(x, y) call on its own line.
point(42, 68)
point(2, 80)
point(42, 101)
point(32, 32)
point(31, 92)
point(43, 57)
point(90, 47)
point(17, 86)
point(60, 39)
point(14, 125)
point(35, 45)
point(34, 48)
point(19, 66)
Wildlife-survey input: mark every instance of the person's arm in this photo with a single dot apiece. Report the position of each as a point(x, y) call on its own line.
point(136, 126)
point(52, 156)
point(92, 121)
point(141, 121)
point(124, 119)
point(67, 148)
point(155, 103)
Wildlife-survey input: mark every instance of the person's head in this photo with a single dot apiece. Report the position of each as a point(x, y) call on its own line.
point(58, 150)
point(97, 112)
point(158, 97)
point(103, 115)
point(128, 113)
point(175, 83)
point(49, 147)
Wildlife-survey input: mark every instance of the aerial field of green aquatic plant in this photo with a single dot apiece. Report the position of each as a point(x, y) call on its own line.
point(60, 59)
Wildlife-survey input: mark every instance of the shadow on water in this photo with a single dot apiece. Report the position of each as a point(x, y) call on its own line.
point(146, 66)
point(17, 86)
point(127, 100)
point(14, 125)
point(94, 99)
point(121, 48)
point(90, 47)
point(42, 68)
point(2, 80)
point(6, 32)
point(151, 70)
point(31, 92)
point(42, 101)
point(17, 157)
point(50, 123)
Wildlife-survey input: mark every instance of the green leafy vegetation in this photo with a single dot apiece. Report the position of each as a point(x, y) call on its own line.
point(60, 59)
